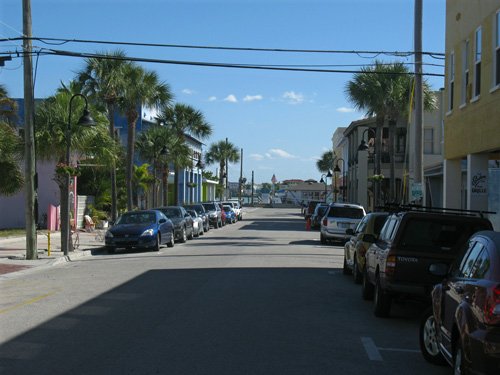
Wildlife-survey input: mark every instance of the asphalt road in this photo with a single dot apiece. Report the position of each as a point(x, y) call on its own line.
point(261, 296)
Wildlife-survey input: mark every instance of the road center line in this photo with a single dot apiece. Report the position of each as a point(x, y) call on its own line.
point(27, 302)
point(371, 349)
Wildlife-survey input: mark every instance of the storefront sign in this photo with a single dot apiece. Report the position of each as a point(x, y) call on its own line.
point(479, 183)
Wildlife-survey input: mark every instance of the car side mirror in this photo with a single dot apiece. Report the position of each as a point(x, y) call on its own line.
point(439, 269)
point(369, 238)
point(350, 232)
point(162, 221)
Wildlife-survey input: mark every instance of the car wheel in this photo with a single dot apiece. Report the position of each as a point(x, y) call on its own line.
point(366, 287)
point(356, 274)
point(183, 236)
point(191, 234)
point(219, 224)
point(322, 239)
point(428, 339)
point(382, 301)
point(157, 243)
point(171, 242)
point(458, 359)
point(345, 269)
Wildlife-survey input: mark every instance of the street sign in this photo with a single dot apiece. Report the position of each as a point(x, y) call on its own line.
point(416, 191)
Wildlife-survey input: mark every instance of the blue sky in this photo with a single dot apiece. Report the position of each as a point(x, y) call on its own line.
point(283, 121)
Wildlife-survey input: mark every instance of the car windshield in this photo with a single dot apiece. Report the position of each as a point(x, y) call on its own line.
point(172, 212)
point(346, 212)
point(137, 218)
point(209, 206)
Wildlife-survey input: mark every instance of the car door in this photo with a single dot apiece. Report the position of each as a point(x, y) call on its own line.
point(358, 236)
point(375, 252)
point(454, 291)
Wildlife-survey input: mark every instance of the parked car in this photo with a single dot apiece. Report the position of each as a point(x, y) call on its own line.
point(318, 214)
point(147, 229)
point(398, 262)
point(338, 218)
point(230, 214)
point(183, 222)
point(214, 214)
point(200, 210)
point(197, 223)
point(355, 249)
point(463, 325)
point(236, 207)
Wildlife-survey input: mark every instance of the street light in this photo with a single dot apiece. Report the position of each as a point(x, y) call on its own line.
point(363, 146)
point(85, 120)
point(337, 170)
point(325, 181)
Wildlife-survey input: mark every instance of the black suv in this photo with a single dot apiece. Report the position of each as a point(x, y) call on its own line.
point(410, 242)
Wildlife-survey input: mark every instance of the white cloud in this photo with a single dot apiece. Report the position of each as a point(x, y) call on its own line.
point(231, 99)
point(281, 153)
point(257, 157)
point(293, 98)
point(212, 98)
point(251, 98)
point(268, 155)
point(188, 91)
point(345, 110)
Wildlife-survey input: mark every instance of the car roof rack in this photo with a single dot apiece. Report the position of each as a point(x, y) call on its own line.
point(395, 207)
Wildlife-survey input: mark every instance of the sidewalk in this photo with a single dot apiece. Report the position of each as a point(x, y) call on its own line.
point(13, 251)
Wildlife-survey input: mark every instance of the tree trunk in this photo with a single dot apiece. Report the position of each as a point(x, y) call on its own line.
point(176, 185)
point(130, 159)
point(164, 178)
point(111, 119)
point(392, 187)
point(221, 178)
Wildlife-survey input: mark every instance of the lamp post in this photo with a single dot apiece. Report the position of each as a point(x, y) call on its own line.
point(325, 181)
point(85, 120)
point(337, 170)
point(364, 147)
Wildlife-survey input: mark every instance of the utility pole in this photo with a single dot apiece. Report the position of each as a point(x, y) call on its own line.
point(29, 137)
point(252, 190)
point(419, 101)
point(240, 185)
point(226, 190)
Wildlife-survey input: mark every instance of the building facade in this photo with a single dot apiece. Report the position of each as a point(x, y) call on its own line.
point(472, 102)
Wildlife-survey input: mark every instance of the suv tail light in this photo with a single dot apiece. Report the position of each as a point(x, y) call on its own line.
point(390, 265)
point(325, 221)
point(492, 307)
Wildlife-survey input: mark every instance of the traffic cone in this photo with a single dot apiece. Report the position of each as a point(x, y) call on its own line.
point(308, 223)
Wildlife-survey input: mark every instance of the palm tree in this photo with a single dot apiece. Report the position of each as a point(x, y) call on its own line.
point(182, 120)
point(103, 81)
point(220, 152)
point(161, 147)
point(11, 147)
point(50, 137)
point(142, 180)
point(142, 88)
point(325, 164)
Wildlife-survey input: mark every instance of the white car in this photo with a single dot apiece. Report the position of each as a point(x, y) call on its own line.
point(338, 218)
point(197, 223)
point(236, 207)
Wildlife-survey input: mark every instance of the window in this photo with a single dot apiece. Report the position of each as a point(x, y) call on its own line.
point(482, 265)
point(497, 50)
point(451, 80)
point(428, 141)
point(477, 63)
point(465, 73)
point(467, 264)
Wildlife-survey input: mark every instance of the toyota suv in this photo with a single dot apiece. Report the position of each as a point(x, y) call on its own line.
point(398, 262)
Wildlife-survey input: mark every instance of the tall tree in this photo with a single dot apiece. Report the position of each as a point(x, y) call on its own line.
point(11, 147)
point(142, 88)
point(181, 120)
point(103, 82)
point(50, 137)
point(162, 148)
point(219, 152)
point(325, 164)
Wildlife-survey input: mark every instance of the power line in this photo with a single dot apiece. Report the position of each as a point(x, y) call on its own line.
point(212, 64)
point(61, 41)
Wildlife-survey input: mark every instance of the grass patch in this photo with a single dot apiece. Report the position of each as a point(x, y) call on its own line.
point(12, 232)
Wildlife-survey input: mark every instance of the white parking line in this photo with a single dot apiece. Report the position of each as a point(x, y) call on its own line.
point(371, 349)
